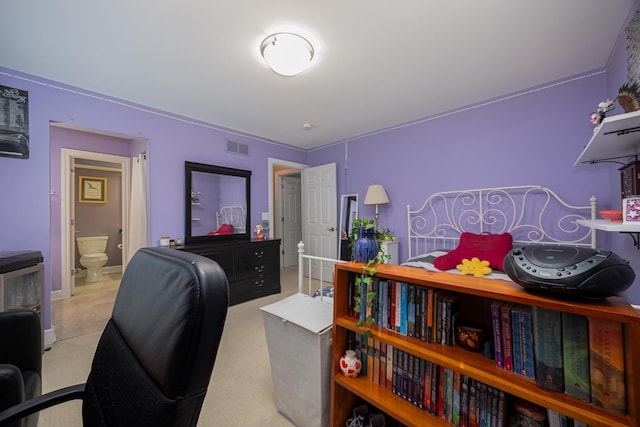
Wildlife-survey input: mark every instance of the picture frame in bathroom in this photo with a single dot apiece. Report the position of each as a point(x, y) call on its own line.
point(92, 189)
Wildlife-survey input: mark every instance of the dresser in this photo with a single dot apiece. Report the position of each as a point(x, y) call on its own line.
point(252, 266)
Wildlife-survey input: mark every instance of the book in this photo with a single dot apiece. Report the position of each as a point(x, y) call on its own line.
point(505, 322)
point(390, 361)
point(548, 346)
point(497, 333)
point(383, 365)
point(606, 363)
point(404, 301)
point(575, 356)
point(523, 334)
point(376, 361)
point(411, 310)
point(455, 408)
point(430, 315)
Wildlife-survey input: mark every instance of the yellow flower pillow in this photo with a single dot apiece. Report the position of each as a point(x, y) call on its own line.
point(474, 267)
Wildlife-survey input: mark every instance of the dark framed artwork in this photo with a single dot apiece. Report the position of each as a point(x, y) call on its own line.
point(633, 48)
point(92, 189)
point(14, 122)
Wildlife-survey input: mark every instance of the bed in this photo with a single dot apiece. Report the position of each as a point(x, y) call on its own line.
point(529, 213)
point(233, 215)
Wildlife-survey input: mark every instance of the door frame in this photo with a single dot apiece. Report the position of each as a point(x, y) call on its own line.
point(273, 163)
point(67, 196)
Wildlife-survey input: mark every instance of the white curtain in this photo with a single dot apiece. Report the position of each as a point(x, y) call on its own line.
point(138, 207)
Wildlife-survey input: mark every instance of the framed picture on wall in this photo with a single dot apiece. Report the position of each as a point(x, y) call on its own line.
point(92, 189)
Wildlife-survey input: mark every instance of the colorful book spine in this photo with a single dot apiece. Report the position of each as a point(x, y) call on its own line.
point(376, 361)
point(455, 409)
point(607, 365)
point(427, 386)
point(497, 333)
point(575, 356)
point(516, 338)
point(411, 310)
point(548, 348)
point(390, 362)
point(382, 375)
point(526, 366)
point(430, 315)
point(505, 321)
point(404, 297)
point(464, 401)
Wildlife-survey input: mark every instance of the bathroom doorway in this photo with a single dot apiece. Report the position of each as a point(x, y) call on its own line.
point(76, 164)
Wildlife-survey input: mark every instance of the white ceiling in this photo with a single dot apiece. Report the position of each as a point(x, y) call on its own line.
point(378, 64)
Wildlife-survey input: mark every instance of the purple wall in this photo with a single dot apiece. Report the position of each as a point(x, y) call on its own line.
point(529, 138)
point(27, 206)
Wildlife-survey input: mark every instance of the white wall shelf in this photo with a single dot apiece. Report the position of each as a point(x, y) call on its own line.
point(605, 225)
point(617, 137)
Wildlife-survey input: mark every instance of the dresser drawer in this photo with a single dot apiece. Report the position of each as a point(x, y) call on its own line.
point(256, 261)
point(224, 258)
point(248, 289)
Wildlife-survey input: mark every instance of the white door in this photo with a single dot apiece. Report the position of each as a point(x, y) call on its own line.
point(319, 224)
point(291, 218)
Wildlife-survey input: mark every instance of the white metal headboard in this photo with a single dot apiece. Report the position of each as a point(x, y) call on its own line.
point(235, 215)
point(530, 213)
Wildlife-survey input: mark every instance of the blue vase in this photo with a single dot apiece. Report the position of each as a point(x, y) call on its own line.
point(366, 245)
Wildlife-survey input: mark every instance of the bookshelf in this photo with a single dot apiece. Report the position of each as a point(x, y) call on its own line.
point(475, 292)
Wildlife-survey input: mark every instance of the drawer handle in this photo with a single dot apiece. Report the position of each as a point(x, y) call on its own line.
point(260, 283)
point(259, 254)
point(259, 269)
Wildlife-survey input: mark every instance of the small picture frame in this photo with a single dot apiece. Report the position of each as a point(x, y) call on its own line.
point(92, 189)
point(631, 210)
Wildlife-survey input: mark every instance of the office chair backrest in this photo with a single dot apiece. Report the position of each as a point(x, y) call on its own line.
point(154, 360)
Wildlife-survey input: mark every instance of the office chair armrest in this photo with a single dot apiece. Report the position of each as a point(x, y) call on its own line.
point(39, 403)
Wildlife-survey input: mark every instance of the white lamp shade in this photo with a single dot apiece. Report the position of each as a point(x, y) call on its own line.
point(287, 54)
point(376, 195)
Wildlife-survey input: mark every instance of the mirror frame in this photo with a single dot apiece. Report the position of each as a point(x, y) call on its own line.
point(348, 212)
point(189, 168)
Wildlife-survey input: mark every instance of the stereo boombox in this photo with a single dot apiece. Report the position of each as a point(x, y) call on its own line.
point(569, 271)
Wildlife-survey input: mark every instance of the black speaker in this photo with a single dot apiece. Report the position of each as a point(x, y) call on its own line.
point(569, 271)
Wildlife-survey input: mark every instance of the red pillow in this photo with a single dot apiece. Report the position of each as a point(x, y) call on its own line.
point(485, 247)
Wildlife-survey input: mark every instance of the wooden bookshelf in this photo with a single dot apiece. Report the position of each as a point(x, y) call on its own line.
point(346, 392)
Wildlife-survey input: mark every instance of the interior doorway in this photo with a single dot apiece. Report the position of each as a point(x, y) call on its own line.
point(68, 196)
point(278, 169)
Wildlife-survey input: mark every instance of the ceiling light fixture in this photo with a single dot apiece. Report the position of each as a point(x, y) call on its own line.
point(287, 54)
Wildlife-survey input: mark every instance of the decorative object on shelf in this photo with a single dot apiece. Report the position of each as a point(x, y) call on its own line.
point(601, 112)
point(629, 97)
point(259, 232)
point(350, 365)
point(631, 210)
point(470, 336)
point(366, 246)
point(474, 267)
point(195, 196)
point(376, 195)
point(614, 215)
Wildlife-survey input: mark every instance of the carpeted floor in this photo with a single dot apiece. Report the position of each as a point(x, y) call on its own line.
point(241, 389)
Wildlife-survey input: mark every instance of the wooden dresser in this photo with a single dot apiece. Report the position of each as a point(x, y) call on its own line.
point(252, 266)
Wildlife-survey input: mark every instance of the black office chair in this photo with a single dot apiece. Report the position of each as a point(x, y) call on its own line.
point(20, 360)
point(154, 359)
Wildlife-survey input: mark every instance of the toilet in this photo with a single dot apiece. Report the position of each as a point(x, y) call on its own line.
point(93, 256)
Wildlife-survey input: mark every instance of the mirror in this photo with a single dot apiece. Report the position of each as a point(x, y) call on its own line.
point(348, 212)
point(216, 203)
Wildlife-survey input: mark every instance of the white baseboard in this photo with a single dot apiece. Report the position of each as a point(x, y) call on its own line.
point(49, 338)
point(107, 270)
point(56, 295)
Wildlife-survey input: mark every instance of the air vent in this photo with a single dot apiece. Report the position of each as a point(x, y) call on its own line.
point(238, 148)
